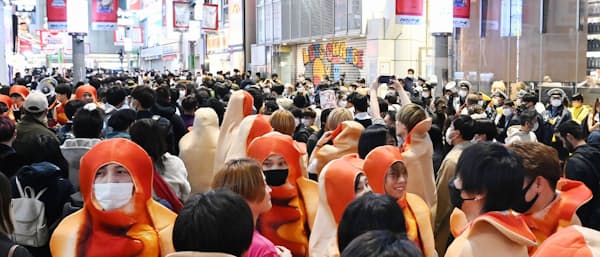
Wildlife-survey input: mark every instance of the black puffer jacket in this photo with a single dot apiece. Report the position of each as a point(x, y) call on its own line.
point(584, 166)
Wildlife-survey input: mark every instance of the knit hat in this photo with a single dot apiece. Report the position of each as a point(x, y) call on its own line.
point(36, 102)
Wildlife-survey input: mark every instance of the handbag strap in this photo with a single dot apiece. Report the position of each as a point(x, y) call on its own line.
point(12, 250)
point(28, 191)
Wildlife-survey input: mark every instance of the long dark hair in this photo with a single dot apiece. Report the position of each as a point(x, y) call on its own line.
point(150, 135)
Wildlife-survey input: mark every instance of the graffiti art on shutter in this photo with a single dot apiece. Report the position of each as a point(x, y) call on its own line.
point(330, 59)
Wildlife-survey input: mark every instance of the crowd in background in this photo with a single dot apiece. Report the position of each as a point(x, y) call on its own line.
point(239, 164)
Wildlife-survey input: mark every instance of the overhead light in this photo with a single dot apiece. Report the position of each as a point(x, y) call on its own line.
point(285, 44)
point(313, 41)
point(324, 39)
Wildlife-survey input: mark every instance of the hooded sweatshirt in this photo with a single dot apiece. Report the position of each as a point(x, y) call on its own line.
point(515, 134)
point(584, 166)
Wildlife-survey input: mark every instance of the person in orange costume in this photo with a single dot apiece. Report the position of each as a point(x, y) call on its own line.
point(571, 241)
point(549, 203)
point(140, 227)
point(287, 223)
point(345, 141)
point(239, 106)
point(341, 181)
point(18, 94)
point(488, 181)
point(86, 93)
point(384, 167)
point(4, 99)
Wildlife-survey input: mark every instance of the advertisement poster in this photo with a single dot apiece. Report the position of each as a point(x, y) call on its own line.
point(210, 17)
point(181, 15)
point(52, 40)
point(77, 16)
point(327, 99)
point(236, 24)
point(462, 13)
point(409, 12)
point(440, 15)
point(57, 14)
point(104, 14)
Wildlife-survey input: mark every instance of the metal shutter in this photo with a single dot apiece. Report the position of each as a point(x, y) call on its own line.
point(304, 20)
point(327, 17)
point(286, 22)
point(343, 57)
point(315, 18)
point(296, 21)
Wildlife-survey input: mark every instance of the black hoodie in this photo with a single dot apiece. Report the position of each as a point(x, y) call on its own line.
point(584, 166)
point(167, 111)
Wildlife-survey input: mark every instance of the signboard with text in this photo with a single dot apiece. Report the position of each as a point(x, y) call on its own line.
point(409, 12)
point(57, 14)
point(104, 14)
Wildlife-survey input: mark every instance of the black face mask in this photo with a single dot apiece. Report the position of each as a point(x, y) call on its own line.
point(521, 205)
point(455, 199)
point(276, 177)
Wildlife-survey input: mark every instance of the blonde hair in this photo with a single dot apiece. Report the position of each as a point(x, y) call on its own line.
point(336, 117)
point(283, 121)
point(410, 115)
point(242, 176)
point(499, 85)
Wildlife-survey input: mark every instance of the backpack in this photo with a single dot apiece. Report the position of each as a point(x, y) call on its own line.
point(29, 217)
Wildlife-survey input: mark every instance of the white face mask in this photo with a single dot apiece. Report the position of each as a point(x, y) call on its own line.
point(496, 102)
point(462, 93)
point(480, 103)
point(426, 94)
point(556, 102)
point(535, 127)
point(300, 89)
point(507, 112)
point(112, 196)
point(306, 122)
point(266, 90)
point(448, 136)
point(342, 103)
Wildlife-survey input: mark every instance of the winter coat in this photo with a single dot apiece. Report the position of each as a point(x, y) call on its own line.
point(515, 134)
point(584, 166)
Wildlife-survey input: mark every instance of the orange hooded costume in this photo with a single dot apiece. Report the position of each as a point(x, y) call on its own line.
point(287, 223)
point(489, 235)
point(561, 212)
point(336, 191)
point(416, 211)
point(81, 90)
point(571, 241)
point(239, 106)
point(8, 102)
point(141, 228)
point(345, 141)
point(417, 154)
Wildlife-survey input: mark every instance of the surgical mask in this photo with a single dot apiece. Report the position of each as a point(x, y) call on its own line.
point(112, 196)
point(480, 103)
point(535, 127)
point(496, 102)
point(507, 112)
point(448, 136)
point(426, 94)
point(306, 122)
point(276, 177)
point(181, 94)
point(342, 103)
point(522, 205)
point(300, 90)
point(556, 102)
point(455, 198)
point(462, 93)
point(266, 90)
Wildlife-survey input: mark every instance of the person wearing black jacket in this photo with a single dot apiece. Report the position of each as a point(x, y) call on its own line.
point(584, 166)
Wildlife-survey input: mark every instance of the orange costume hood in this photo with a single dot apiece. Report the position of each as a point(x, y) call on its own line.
point(418, 156)
point(287, 222)
point(23, 91)
point(201, 141)
point(345, 141)
point(8, 102)
point(81, 90)
point(491, 234)
point(251, 127)
point(416, 211)
point(239, 106)
point(571, 241)
point(141, 228)
point(561, 212)
point(336, 191)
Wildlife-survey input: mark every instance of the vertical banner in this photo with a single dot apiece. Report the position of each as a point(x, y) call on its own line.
point(104, 14)
point(440, 16)
point(462, 13)
point(409, 12)
point(210, 17)
point(57, 14)
point(77, 16)
point(181, 15)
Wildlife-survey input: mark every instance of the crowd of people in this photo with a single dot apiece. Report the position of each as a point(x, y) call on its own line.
point(237, 164)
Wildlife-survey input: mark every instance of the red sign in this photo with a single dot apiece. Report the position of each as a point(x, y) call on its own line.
point(57, 14)
point(104, 14)
point(409, 12)
point(210, 17)
point(462, 12)
point(181, 15)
